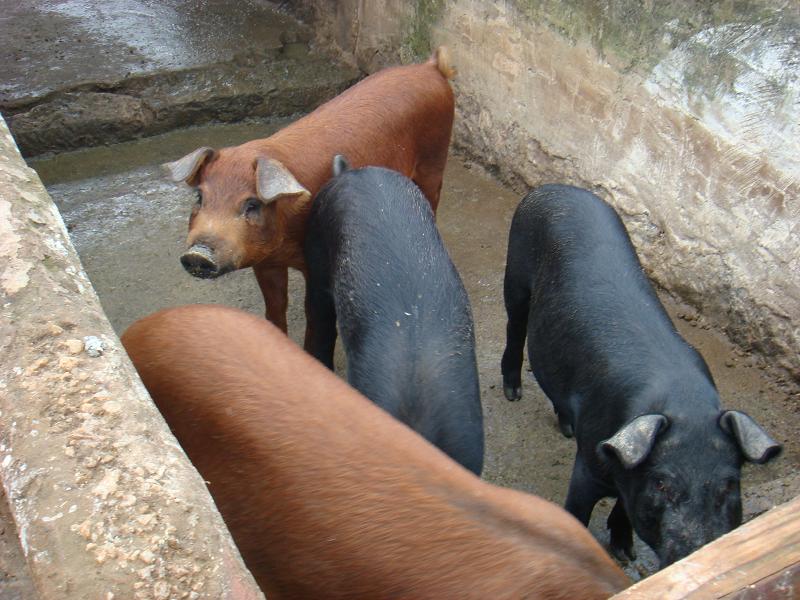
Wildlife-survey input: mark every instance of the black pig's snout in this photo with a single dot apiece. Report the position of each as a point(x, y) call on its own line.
point(199, 262)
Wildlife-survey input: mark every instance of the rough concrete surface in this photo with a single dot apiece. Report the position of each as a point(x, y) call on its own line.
point(104, 502)
point(685, 117)
point(165, 65)
point(15, 579)
point(130, 227)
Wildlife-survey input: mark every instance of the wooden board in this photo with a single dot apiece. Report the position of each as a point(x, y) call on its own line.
point(759, 560)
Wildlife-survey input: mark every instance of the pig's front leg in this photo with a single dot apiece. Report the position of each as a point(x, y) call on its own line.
point(621, 544)
point(320, 323)
point(584, 492)
point(274, 284)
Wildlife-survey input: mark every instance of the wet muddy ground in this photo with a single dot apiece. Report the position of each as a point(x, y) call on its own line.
point(128, 224)
point(46, 46)
point(166, 64)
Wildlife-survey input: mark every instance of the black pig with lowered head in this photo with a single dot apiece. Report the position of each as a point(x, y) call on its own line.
point(638, 398)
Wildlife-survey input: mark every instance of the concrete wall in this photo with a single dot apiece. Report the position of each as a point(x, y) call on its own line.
point(684, 115)
point(104, 502)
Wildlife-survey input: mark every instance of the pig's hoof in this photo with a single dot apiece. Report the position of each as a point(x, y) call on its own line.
point(512, 392)
point(623, 553)
point(565, 427)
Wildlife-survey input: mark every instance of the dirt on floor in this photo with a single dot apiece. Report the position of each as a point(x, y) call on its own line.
point(128, 223)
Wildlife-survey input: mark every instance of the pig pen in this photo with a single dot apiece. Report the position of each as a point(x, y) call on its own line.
point(171, 65)
point(128, 223)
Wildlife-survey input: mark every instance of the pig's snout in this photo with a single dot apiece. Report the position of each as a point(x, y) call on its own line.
point(199, 262)
point(681, 545)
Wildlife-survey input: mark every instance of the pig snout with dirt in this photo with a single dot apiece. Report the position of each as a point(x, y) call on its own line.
point(327, 496)
point(253, 199)
point(378, 266)
point(638, 398)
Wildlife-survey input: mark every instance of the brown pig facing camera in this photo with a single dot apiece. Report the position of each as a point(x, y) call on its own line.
point(253, 199)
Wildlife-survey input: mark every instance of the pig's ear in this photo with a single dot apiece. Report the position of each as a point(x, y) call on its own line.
point(273, 180)
point(631, 444)
point(755, 443)
point(185, 169)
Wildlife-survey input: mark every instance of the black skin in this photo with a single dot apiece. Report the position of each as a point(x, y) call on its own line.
point(378, 266)
point(605, 352)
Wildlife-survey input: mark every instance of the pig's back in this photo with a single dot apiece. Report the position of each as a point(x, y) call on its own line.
point(592, 308)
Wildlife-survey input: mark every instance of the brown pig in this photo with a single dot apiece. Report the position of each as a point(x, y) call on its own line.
point(328, 496)
point(253, 199)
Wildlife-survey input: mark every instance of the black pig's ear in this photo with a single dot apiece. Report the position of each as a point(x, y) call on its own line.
point(186, 168)
point(340, 165)
point(631, 444)
point(756, 445)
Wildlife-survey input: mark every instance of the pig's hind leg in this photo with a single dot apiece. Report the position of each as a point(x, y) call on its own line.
point(517, 300)
point(565, 416)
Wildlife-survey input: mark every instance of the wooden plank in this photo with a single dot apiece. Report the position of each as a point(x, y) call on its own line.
point(758, 551)
point(781, 586)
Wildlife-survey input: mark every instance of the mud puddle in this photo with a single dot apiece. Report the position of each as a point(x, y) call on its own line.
point(128, 224)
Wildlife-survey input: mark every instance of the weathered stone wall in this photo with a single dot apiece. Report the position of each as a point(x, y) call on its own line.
point(684, 115)
point(104, 501)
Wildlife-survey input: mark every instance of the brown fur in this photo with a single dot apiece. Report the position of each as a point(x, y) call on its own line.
point(327, 496)
point(400, 118)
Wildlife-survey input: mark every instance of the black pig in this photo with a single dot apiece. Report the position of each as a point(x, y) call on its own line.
point(638, 398)
point(377, 264)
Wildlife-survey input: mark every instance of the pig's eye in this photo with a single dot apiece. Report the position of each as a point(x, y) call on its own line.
point(251, 207)
point(199, 195)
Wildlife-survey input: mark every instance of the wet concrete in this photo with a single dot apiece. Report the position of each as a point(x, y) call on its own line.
point(128, 224)
point(47, 46)
point(79, 74)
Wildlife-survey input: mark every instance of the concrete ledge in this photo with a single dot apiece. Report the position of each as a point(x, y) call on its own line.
point(94, 73)
point(105, 502)
point(94, 114)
